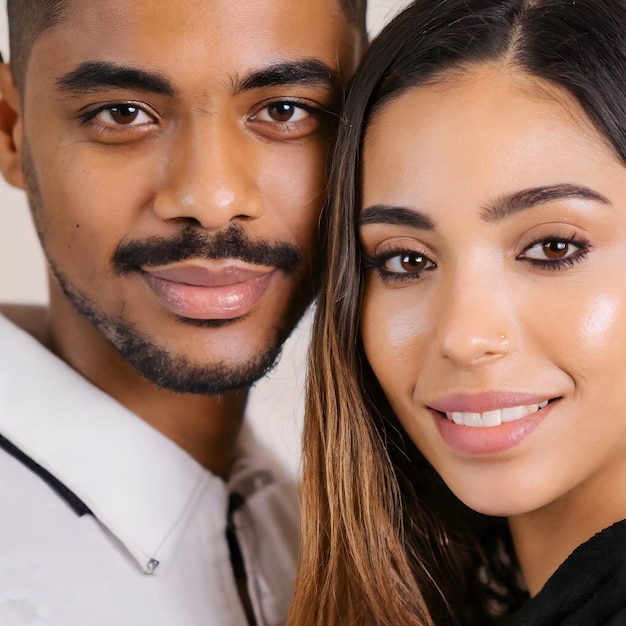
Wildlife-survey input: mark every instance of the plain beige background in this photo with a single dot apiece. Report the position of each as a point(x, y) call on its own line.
point(275, 407)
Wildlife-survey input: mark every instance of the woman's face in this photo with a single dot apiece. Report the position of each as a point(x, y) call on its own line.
point(493, 228)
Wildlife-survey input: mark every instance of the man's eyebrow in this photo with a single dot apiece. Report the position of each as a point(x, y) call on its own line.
point(94, 76)
point(307, 72)
point(510, 205)
point(399, 216)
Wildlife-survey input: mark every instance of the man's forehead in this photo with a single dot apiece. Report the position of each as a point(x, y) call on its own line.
point(238, 37)
point(208, 13)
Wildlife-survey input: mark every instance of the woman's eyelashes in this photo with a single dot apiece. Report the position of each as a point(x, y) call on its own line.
point(548, 253)
point(398, 265)
point(555, 253)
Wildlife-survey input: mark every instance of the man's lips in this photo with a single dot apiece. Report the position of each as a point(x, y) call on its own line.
point(208, 274)
point(209, 290)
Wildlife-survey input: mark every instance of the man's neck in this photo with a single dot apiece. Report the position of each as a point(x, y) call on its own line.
point(207, 427)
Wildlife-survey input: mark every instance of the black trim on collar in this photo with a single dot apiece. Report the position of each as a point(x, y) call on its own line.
point(235, 502)
point(77, 505)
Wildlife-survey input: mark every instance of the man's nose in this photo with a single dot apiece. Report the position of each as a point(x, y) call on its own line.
point(209, 177)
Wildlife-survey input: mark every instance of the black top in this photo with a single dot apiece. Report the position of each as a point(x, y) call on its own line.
point(589, 589)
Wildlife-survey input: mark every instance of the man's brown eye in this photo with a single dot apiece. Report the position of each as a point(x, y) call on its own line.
point(124, 114)
point(281, 111)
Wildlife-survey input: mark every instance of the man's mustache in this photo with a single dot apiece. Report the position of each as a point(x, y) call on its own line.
point(194, 243)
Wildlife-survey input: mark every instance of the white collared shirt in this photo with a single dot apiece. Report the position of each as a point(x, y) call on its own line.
point(145, 543)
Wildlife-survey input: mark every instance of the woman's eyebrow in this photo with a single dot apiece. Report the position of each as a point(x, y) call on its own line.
point(507, 206)
point(400, 216)
point(504, 207)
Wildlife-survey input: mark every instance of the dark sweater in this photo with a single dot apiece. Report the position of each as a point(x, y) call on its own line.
point(589, 589)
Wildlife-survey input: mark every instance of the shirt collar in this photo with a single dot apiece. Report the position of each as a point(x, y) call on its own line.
point(137, 483)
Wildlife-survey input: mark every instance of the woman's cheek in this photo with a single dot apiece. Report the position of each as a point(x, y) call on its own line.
point(394, 336)
point(592, 343)
point(603, 323)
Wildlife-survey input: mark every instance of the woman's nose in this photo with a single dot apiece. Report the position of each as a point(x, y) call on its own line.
point(476, 323)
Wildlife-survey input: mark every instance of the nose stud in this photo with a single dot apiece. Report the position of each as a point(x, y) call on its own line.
point(504, 338)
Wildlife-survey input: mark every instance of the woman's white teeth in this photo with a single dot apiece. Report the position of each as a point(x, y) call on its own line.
point(496, 417)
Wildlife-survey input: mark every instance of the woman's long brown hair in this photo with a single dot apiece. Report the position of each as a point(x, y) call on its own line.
point(384, 540)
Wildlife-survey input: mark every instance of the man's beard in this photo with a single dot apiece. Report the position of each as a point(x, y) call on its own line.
point(175, 372)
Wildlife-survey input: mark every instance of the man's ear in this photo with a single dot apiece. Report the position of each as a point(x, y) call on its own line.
point(10, 129)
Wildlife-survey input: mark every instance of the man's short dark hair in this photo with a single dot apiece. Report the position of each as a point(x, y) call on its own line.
point(355, 11)
point(29, 19)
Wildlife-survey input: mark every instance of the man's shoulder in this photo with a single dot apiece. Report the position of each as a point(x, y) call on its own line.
point(32, 319)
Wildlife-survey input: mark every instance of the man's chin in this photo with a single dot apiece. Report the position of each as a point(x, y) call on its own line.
point(171, 369)
point(179, 374)
point(216, 381)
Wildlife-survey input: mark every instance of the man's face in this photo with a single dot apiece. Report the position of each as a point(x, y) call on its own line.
point(175, 158)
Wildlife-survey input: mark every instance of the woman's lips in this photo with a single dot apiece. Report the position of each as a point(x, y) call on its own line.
point(209, 291)
point(489, 423)
point(495, 417)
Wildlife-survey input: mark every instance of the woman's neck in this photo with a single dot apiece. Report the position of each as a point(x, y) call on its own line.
point(545, 538)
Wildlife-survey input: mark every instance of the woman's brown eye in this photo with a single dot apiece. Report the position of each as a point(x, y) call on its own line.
point(413, 262)
point(555, 249)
